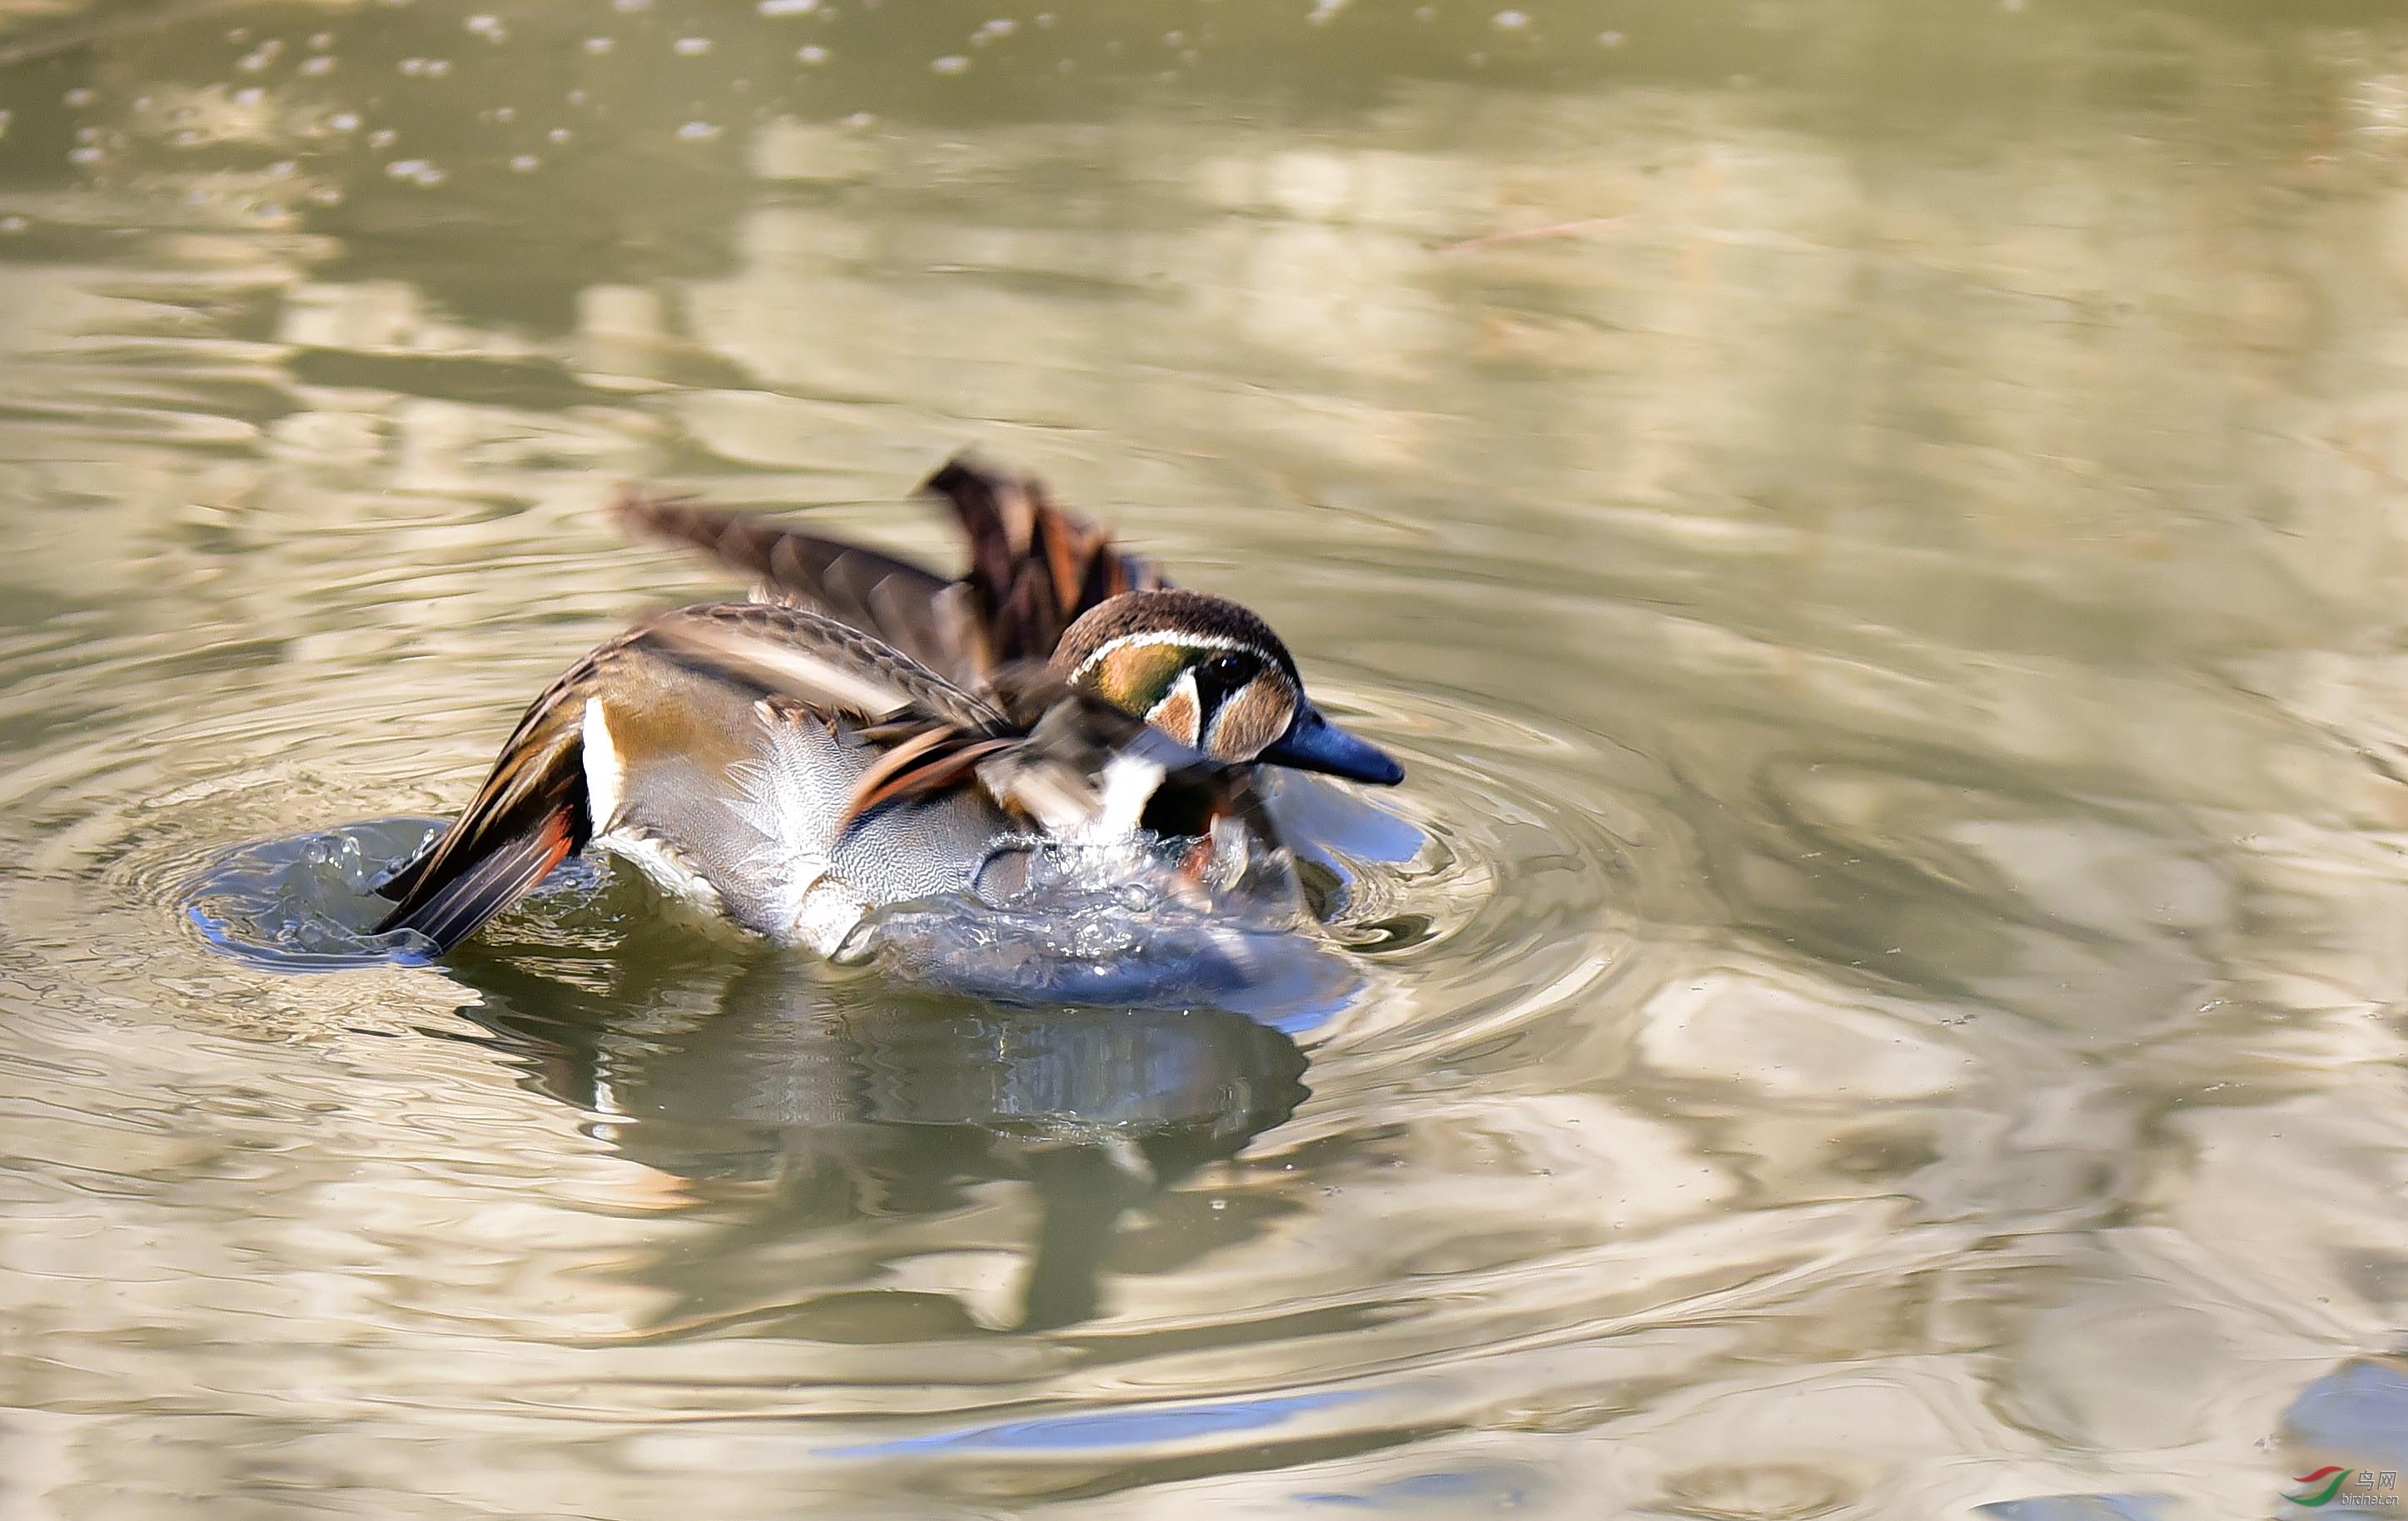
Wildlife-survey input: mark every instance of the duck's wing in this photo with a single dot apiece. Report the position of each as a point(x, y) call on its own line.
point(1034, 567)
point(530, 815)
point(807, 655)
point(1033, 744)
point(934, 733)
point(906, 606)
point(534, 809)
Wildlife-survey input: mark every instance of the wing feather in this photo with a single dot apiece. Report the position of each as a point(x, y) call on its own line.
point(1034, 567)
point(878, 593)
point(801, 653)
point(529, 814)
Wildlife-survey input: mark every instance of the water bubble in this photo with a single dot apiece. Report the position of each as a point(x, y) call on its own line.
point(506, 113)
point(788, 7)
point(953, 63)
point(599, 45)
point(574, 97)
point(315, 67)
point(320, 41)
point(259, 57)
point(383, 138)
point(525, 162)
point(12, 225)
point(344, 121)
point(696, 132)
point(250, 96)
point(690, 47)
point(1322, 11)
point(418, 171)
point(1173, 39)
point(1610, 39)
point(485, 26)
point(79, 97)
point(631, 4)
point(1002, 26)
point(557, 135)
point(859, 120)
point(84, 155)
point(1509, 21)
point(812, 54)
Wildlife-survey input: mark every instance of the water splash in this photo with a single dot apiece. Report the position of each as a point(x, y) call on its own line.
point(1061, 925)
point(305, 902)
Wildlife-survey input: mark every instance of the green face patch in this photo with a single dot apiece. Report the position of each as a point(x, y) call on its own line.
point(1135, 677)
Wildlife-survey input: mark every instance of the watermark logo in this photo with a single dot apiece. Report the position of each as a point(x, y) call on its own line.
point(2347, 1490)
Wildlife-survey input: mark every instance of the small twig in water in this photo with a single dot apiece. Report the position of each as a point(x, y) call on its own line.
point(1526, 234)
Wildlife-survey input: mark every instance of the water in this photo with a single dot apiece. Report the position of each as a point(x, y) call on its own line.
point(1875, 528)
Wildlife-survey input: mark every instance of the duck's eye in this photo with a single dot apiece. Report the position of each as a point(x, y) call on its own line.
point(1225, 673)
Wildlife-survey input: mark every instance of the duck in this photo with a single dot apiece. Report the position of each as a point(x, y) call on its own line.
point(863, 732)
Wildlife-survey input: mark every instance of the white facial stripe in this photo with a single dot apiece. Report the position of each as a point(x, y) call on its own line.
point(1183, 688)
point(1173, 636)
point(1250, 718)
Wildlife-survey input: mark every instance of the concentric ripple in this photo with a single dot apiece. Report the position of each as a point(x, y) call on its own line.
point(1879, 997)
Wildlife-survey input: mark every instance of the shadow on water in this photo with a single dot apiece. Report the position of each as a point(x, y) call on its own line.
point(819, 1093)
point(824, 1097)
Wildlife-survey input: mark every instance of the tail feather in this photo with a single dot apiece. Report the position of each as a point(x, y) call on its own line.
point(405, 877)
point(530, 814)
point(461, 905)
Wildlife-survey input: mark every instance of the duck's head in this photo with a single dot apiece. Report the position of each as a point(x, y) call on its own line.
point(1214, 677)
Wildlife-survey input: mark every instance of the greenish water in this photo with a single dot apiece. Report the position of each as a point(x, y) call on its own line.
point(1878, 528)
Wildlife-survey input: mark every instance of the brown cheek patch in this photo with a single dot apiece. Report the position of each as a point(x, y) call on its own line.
point(1176, 715)
point(1252, 718)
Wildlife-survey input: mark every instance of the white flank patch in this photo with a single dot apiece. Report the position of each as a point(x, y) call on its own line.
point(606, 774)
point(1128, 783)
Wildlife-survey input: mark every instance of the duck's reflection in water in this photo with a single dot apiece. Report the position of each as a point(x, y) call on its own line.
point(834, 1096)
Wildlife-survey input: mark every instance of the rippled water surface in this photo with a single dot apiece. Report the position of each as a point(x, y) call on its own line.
point(1878, 528)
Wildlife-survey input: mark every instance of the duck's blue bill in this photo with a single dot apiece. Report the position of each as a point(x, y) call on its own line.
point(1313, 743)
